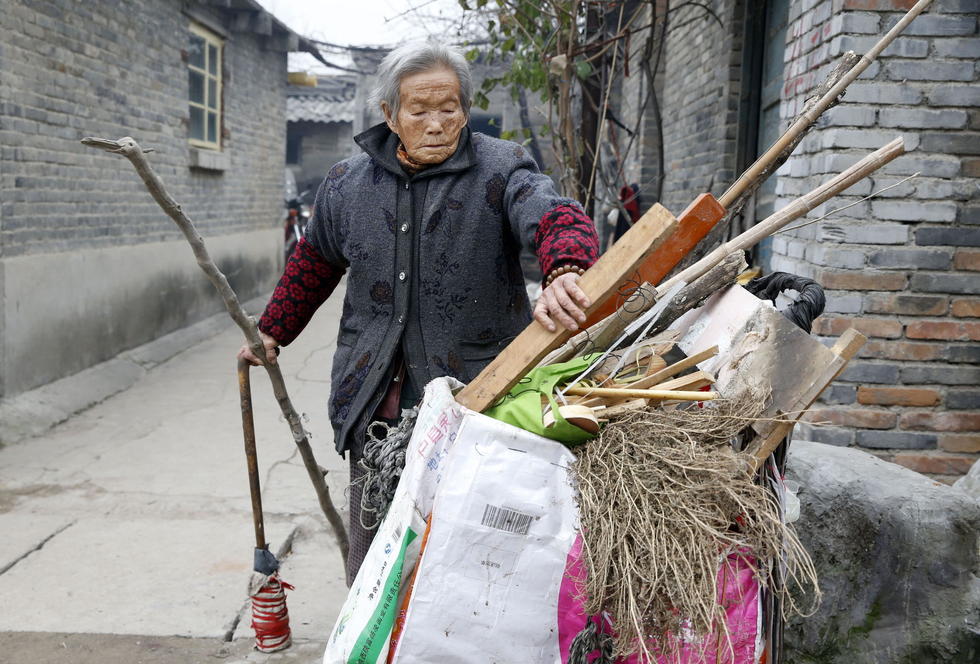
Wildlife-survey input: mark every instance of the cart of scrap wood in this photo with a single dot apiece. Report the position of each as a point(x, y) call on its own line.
point(617, 494)
point(613, 495)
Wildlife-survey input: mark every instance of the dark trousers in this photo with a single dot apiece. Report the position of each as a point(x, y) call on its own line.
point(359, 536)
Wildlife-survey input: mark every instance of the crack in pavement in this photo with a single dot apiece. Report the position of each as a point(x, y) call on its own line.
point(37, 547)
point(305, 364)
point(275, 464)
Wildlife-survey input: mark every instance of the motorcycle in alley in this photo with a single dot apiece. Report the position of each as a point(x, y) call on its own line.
point(297, 215)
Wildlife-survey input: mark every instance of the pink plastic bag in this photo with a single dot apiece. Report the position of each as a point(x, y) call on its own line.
point(738, 591)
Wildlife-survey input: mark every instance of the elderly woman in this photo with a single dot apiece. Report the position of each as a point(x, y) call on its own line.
point(428, 222)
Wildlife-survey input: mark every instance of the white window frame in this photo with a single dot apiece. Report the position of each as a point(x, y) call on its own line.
point(210, 39)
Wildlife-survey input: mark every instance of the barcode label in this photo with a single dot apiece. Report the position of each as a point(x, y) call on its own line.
point(507, 520)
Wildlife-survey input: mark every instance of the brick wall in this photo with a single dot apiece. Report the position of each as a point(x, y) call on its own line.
point(636, 107)
point(700, 103)
point(111, 68)
point(904, 267)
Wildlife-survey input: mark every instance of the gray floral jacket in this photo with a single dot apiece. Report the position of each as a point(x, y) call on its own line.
point(432, 261)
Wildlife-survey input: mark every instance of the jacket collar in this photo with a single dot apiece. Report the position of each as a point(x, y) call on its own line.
point(380, 143)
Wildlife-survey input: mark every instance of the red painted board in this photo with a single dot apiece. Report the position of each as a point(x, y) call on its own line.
point(693, 224)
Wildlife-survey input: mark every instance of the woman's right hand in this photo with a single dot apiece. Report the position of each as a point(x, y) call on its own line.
point(271, 347)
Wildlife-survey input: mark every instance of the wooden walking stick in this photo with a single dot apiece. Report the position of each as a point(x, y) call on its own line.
point(130, 149)
point(699, 218)
point(270, 617)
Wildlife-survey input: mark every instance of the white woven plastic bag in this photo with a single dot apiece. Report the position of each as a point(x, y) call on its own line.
point(503, 522)
point(363, 629)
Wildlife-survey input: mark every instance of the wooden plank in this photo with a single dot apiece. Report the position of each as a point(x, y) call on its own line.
point(847, 347)
point(693, 225)
point(691, 381)
point(656, 380)
point(599, 283)
point(678, 367)
point(613, 411)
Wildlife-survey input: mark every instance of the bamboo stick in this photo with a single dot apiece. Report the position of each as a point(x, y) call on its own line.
point(807, 119)
point(689, 382)
point(612, 326)
point(626, 393)
point(609, 328)
point(791, 212)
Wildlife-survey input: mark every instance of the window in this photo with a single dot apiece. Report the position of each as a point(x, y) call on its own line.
point(204, 87)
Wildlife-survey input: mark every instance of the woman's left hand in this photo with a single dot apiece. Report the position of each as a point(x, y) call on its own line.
point(562, 301)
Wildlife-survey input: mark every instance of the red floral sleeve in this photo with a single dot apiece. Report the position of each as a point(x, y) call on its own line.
point(306, 283)
point(566, 236)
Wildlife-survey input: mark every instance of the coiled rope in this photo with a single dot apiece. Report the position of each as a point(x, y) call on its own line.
point(588, 641)
point(383, 460)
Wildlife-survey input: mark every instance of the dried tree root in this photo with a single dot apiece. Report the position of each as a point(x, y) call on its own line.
point(663, 497)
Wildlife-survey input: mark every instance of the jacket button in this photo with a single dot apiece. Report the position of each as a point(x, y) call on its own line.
point(404, 228)
point(401, 319)
point(406, 185)
point(402, 276)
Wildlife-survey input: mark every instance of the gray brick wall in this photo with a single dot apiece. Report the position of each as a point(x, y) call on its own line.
point(113, 68)
point(901, 267)
point(700, 101)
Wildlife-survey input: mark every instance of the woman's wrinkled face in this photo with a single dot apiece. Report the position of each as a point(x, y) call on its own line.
point(430, 117)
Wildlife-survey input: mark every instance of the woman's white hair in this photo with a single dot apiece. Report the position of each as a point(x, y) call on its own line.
point(414, 58)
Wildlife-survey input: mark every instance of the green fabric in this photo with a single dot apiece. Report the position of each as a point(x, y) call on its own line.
point(374, 639)
point(522, 405)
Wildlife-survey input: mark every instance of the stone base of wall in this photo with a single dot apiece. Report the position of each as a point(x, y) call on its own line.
point(64, 312)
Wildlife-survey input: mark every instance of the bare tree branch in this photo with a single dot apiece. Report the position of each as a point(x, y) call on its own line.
point(130, 149)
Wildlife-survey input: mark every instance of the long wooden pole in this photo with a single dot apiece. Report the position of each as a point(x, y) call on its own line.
point(700, 217)
point(130, 149)
point(810, 116)
point(611, 327)
point(251, 456)
point(791, 212)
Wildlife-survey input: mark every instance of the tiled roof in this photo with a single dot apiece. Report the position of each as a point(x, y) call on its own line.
point(250, 16)
point(332, 100)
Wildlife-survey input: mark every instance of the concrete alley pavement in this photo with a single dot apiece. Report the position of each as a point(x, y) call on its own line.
point(127, 530)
